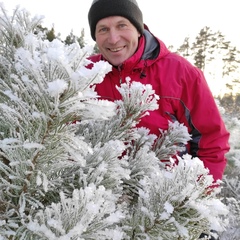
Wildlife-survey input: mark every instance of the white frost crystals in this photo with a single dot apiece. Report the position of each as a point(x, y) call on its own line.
point(86, 207)
point(57, 87)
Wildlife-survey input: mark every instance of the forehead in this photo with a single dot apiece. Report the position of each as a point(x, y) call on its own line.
point(111, 20)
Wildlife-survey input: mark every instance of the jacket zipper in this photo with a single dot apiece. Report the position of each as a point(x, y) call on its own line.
point(120, 74)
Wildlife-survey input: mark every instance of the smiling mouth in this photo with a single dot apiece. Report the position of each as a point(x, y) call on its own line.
point(116, 49)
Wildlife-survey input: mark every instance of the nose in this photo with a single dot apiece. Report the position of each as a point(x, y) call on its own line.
point(113, 36)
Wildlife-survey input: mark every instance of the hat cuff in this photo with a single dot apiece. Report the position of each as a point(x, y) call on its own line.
point(106, 8)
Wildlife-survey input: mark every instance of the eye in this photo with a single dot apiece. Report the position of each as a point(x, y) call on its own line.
point(122, 25)
point(102, 29)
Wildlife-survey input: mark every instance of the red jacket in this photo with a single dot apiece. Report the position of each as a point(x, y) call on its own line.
point(184, 96)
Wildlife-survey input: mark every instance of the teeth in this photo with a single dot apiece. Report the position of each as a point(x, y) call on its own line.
point(116, 49)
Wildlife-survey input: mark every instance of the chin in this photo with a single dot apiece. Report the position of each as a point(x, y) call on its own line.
point(115, 63)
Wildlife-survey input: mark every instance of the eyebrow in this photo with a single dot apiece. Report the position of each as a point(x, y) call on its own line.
point(118, 22)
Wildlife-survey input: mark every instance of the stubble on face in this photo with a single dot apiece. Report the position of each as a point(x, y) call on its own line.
point(117, 39)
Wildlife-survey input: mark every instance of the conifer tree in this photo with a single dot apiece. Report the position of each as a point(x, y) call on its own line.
point(184, 49)
point(202, 46)
point(231, 186)
point(76, 167)
point(71, 38)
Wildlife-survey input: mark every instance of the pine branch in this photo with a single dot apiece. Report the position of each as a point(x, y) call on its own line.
point(41, 94)
point(73, 166)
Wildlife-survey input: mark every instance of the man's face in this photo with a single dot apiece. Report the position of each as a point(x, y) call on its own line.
point(117, 39)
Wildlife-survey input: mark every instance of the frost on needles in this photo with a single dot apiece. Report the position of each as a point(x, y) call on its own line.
point(76, 167)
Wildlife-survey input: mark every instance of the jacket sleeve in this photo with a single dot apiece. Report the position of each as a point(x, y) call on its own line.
point(209, 134)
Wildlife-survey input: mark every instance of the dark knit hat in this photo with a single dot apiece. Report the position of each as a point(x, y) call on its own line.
point(106, 8)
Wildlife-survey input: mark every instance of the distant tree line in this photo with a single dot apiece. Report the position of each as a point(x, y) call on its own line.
point(69, 39)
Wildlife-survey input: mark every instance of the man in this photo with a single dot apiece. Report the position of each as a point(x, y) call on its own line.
point(133, 51)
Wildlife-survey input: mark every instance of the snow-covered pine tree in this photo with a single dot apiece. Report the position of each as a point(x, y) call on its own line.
point(75, 167)
point(231, 183)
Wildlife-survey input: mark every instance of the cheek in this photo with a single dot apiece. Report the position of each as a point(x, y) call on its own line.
point(135, 44)
point(99, 40)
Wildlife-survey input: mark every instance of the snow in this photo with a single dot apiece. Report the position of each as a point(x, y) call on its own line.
point(168, 211)
point(29, 145)
point(57, 87)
